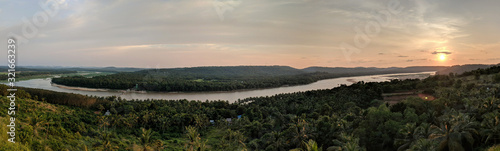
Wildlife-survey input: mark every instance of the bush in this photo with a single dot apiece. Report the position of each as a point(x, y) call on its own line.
point(458, 84)
point(470, 86)
point(496, 78)
point(429, 91)
point(494, 148)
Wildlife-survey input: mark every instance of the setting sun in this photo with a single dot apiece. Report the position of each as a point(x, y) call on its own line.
point(442, 57)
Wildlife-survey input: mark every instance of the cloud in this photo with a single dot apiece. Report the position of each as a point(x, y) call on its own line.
point(411, 60)
point(441, 52)
point(401, 56)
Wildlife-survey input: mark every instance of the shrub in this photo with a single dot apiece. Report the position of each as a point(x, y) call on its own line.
point(496, 78)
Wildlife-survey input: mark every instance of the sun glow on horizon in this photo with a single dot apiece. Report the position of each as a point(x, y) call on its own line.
point(442, 57)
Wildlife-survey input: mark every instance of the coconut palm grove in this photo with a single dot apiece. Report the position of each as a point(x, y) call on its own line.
point(463, 114)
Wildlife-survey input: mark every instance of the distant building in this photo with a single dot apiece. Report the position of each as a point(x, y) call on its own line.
point(107, 113)
point(239, 116)
point(228, 120)
point(212, 121)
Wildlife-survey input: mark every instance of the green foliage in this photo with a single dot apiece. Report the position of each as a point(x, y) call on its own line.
point(347, 143)
point(490, 127)
point(194, 140)
point(455, 132)
point(27, 73)
point(496, 78)
point(210, 79)
point(199, 79)
point(463, 117)
point(494, 148)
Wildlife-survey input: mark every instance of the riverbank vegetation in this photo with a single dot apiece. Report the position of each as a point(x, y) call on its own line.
point(38, 72)
point(26, 75)
point(463, 116)
point(219, 78)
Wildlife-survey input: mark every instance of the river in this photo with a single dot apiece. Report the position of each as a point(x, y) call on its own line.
point(230, 96)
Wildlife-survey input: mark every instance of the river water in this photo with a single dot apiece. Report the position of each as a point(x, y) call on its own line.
point(230, 96)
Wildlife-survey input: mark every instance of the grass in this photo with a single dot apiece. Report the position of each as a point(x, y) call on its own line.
point(7, 145)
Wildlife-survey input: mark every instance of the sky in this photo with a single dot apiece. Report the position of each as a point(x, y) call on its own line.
point(297, 33)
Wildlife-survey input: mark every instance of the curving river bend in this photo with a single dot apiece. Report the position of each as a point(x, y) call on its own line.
point(231, 96)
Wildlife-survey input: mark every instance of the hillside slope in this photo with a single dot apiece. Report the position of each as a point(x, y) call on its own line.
point(342, 70)
point(459, 69)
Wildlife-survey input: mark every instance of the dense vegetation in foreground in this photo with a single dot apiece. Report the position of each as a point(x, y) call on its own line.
point(222, 78)
point(465, 116)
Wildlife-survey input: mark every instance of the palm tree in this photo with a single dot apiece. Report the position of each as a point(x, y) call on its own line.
point(277, 140)
point(299, 132)
point(159, 145)
point(490, 104)
point(346, 143)
point(103, 122)
point(106, 144)
point(424, 145)
point(195, 142)
point(145, 139)
point(234, 139)
point(311, 145)
point(491, 126)
point(192, 136)
point(455, 128)
point(413, 134)
point(409, 136)
point(424, 130)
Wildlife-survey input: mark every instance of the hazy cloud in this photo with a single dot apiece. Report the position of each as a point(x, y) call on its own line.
point(441, 52)
point(179, 33)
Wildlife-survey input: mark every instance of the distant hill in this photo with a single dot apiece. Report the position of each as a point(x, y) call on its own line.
point(240, 70)
point(106, 69)
point(459, 69)
point(229, 71)
point(359, 70)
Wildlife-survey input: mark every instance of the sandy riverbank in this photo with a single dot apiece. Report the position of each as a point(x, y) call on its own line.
point(79, 88)
point(351, 80)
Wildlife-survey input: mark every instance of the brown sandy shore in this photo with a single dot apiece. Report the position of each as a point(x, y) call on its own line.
point(80, 88)
point(351, 80)
point(132, 91)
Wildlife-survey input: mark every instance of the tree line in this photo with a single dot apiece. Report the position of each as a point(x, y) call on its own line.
point(36, 73)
